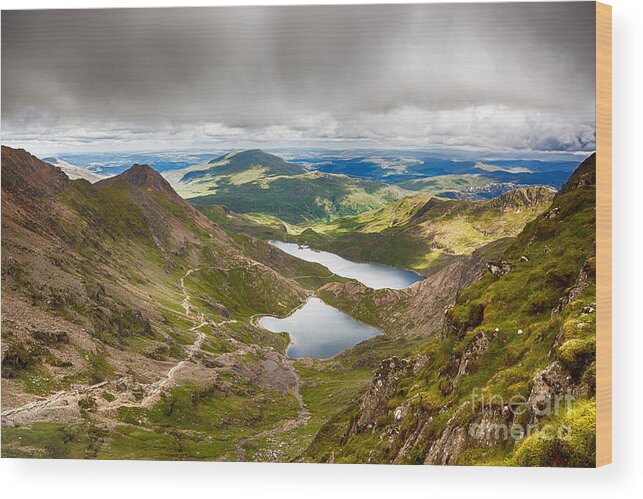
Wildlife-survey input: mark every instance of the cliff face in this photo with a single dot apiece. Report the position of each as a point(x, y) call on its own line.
point(510, 377)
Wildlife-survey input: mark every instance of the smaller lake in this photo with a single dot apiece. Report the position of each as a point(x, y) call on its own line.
point(373, 275)
point(318, 330)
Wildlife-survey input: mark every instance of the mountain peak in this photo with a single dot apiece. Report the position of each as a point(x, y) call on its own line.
point(249, 155)
point(141, 176)
point(139, 170)
point(238, 162)
point(146, 178)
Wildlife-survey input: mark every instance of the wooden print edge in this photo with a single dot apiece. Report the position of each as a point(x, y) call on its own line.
point(603, 234)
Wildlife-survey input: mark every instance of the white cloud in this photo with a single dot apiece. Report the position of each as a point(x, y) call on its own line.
point(492, 128)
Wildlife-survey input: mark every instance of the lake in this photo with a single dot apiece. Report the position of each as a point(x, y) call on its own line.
point(373, 275)
point(318, 330)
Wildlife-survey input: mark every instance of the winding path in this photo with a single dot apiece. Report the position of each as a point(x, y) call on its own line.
point(192, 349)
point(66, 399)
point(62, 404)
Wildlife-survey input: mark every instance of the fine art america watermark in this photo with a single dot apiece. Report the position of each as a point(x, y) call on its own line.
point(504, 419)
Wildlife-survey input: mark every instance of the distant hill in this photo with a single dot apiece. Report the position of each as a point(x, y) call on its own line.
point(255, 182)
point(450, 175)
point(75, 172)
point(240, 162)
point(232, 167)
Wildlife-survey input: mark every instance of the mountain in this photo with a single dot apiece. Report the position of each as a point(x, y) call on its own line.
point(233, 167)
point(126, 314)
point(583, 176)
point(509, 378)
point(146, 178)
point(26, 176)
point(240, 162)
point(425, 233)
point(74, 172)
point(269, 188)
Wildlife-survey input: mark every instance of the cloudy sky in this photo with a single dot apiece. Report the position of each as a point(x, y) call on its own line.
point(478, 76)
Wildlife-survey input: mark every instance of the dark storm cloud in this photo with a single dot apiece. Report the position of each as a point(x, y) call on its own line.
point(495, 75)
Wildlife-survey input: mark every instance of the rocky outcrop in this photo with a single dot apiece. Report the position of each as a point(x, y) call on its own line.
point(375, 403)
point(472, 426)
point(550, 387)
point(584, 176)
point(586, 274)
point(461, 365)
point(50, 338)
point(447, 448)
point(499, 268)
point(15, 358)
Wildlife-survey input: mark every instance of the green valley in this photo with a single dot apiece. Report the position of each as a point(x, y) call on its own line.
point(343, 234)
point(418, 232)
point(130, 318)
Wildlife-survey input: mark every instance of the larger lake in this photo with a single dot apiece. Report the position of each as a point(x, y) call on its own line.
point(373, 275)
point(318, 330)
